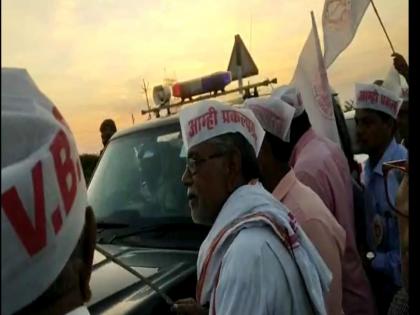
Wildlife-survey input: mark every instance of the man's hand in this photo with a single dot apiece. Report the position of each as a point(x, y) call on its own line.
point(188, 307)
point(400, 64)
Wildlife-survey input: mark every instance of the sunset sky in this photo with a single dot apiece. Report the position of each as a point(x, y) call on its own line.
point(89, 56)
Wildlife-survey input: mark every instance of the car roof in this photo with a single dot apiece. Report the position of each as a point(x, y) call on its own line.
point(156, 123)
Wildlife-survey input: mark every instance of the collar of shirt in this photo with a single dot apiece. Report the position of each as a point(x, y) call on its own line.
point(81, 310)
point(387, 156)
point(304, 139)
point(285, 184)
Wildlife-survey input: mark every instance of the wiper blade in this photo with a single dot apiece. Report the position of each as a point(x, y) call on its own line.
point(116, 260)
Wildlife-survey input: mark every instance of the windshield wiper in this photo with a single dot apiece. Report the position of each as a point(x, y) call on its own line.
point(116, 260)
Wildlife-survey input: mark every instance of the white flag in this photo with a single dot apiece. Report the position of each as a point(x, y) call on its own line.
point(340, 20)
point(392, 81)
point(311, 80)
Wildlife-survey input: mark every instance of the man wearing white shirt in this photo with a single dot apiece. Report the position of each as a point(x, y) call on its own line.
point(255, 259)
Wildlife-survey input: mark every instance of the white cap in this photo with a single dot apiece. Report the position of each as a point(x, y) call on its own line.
point(372, 96)
point(208, 119)
point(43, 191)
point(274, 115)
point(292, 96)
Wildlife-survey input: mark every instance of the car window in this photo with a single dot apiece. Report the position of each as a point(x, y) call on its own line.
point(139, 176)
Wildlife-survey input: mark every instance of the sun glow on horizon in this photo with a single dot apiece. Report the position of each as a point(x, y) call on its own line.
point(89, 57)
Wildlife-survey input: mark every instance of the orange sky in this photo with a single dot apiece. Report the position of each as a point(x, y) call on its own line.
point(89, 56)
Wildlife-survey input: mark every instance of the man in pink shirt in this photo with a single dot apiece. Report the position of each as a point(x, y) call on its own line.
point(310, 212)
point(320, 164)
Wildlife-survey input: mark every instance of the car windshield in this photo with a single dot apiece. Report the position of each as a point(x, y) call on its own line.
point(139, 178)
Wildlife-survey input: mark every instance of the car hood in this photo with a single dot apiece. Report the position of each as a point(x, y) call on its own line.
point(117, 291)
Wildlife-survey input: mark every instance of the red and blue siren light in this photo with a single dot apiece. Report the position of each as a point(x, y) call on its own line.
point(211, 83)
point(176, 90)
point(227, 77)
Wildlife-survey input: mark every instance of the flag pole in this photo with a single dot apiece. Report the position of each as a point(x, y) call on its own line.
point(383, 27)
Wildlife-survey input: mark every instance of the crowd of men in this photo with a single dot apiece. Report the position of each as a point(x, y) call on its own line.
point(279, 199)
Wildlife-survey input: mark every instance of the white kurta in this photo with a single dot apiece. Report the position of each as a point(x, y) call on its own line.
point(245, 265)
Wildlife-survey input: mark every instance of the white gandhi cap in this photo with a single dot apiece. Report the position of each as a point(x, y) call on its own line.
point(43, 191)
point(274, 115)
point(208, 119)
point(290, 95)
point(374, 97)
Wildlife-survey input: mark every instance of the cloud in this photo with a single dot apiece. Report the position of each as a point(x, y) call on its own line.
point(90, 56)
